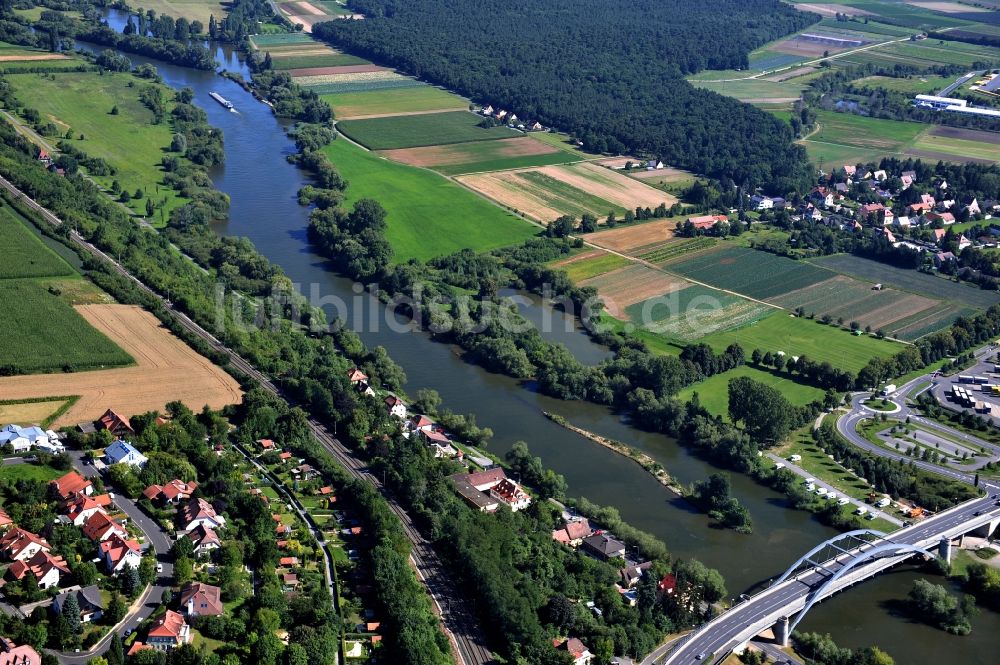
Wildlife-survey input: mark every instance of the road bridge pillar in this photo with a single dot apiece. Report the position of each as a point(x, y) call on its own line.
point(782, 635)
point(944, 549)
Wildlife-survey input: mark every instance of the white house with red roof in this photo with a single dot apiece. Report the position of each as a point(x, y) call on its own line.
point(198, 512)
point(511, 494)
point(577, 649)
point(71, 485)
point(100, 527)
point(20, 545)
point(80, 509)
point(395, 406)
point(173, 492)
point(573, 532)
point(169, 632)
point(205, 539)
point(46, 568)
point(5, 520)
point(118, 552)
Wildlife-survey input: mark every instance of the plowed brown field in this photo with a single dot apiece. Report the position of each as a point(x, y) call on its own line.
point(166, 369)
point(627, 238)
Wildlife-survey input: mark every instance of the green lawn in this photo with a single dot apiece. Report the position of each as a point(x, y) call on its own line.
point(128, 140)
point(29, 471)
point(394, 100)
point(598, 265)
point(797, 337)
point(863, 132)
point(428, 215)
point(911, 85)
point(753, 90)
point(44, 334)
point(713, 392)
point(957, 150)
point(411, 131)
point(25, 255)
point(193, 10)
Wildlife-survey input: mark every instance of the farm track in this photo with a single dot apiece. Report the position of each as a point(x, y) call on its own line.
point(457, 619)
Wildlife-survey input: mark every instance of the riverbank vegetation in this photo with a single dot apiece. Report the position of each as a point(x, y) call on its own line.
point(822, 650)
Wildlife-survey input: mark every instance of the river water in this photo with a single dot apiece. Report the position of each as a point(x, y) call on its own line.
point(263, 186)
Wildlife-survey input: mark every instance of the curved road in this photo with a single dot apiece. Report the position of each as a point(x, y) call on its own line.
point(457, 619)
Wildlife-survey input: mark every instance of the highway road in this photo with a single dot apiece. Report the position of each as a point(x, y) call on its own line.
point(457, 617)
point(716, 639)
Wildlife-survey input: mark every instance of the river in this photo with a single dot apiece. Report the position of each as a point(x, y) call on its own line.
point(263, 186)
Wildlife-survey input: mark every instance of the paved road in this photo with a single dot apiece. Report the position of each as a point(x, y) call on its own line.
point(158, 539)
point(951, 88)
point(772, 651)
point(457, 616)
point(714, 640)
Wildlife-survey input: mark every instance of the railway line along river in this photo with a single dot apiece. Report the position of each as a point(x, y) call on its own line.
point(263, 187)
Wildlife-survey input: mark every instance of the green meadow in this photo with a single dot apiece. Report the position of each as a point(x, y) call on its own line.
point(412, 131)
point(428, 214)
point(713, 392)
point(404, 100)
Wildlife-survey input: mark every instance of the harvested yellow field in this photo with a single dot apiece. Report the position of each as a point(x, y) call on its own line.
point(30, 413)
point(633, 284)
point(609, 185)
point(25, 58)
point(625, 239)
point(166, 369)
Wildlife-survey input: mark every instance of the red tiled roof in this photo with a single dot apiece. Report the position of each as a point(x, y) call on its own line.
point(573, 645)
point(169, 625)
point(356, 375)
point(70, 484)
point(17, 539)
point(578, 529)
point(18, 655)
point(202, 535)
point(486, 477)
point(207, 599)
point(117, 547)
point(98, 525)
point(112, 421)
point(38, 565)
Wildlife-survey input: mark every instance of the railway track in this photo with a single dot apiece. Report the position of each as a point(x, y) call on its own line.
point(457, 619)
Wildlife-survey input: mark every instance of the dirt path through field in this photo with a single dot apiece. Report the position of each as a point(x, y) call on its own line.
point(166, 369)
point(25, 58)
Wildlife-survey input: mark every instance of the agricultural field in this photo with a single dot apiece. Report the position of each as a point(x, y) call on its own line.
point(411, 97)
point(689, 314)
point(281, 39)
point(713, 392)
point(781, 331)
point(192, 10)
point(428, 215)
point(754, 91)
point(674, 250)
point(622, 288)
point(411, 131)
point(295, 62)
point(845, 138)
point(911, 85)
point(44, 334)
point(33, 258)
point(546, 193)
point(630, 239)
point(909, 280)
point(29, 412)
point(894, 312)
point(961, 145)
point(480, 156)
point(128, 141)
point(165, 368)
point(750, 272)
point(12, 52)
point(590, 264)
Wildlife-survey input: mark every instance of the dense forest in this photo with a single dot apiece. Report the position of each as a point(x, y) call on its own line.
point(610, 73)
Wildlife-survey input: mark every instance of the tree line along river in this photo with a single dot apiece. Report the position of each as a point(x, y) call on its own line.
point(263, 189)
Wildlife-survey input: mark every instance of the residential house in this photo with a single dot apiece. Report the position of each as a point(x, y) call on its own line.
point(46, 568)
point(903, 222)
point(887, 234)
point(940, 258)
point(577, 650)
point(488, 110)
point(289, 561)
point(939, 235)
point(72, 484)
point(821, 196)
point(870, 209)
point(973, 207)
point(926, 204)
point(632, 574)
point(395, 407)
point(880, 176)
point(841, 188)
point(202, 600)
point(906, 180)
point(10, 654)
point(945, 218)
point(5, 520)
point(360, 381)
point(168, 632)
point(289, 581)
point(761, 202)
point(198, 512)
point(707, 221)
point(266, 445)
point(22, 439)
point(573, 532)
point(20, 545)
point(604, 547)
point(123, 452)
point(963, 242)
point(285, 456)
point(850, 170)
point(536, 127)
point(82, 507)
point(100, 527)
point(666, 586)
point(116, 424)
point(118, 553)
point(89, 600)
point(172, 493)
point(464, 485)
point(205, 539)
point(305, 472)
point(511, 494)
point(654, 165)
